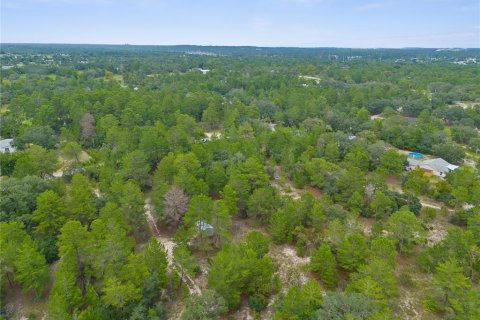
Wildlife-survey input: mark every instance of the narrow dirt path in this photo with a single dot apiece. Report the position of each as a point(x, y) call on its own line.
point(286, 188)
point(394, 185)
point(169, 245)
point(428, 202)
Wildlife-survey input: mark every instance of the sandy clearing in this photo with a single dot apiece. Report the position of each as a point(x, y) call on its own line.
point(316, 79)
point(291, 269)
point(213, 134)
point(286, 188)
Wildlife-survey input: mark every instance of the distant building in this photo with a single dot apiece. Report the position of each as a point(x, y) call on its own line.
point(437, 166)
point(204, 71)
point(6, 145)
point(204, 227)
point(376, 116)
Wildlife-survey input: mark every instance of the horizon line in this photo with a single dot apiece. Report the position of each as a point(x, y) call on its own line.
point(230, 46)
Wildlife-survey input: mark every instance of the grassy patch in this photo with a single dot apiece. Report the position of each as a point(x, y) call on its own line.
point(4, 108)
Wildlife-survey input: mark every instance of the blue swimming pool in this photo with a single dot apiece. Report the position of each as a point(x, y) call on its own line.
point(415, 155)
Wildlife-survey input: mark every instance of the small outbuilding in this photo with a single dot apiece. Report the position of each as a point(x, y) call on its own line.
point(6, 145)
point(204, 227)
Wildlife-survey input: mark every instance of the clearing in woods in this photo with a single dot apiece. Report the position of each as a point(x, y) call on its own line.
point(316, 79)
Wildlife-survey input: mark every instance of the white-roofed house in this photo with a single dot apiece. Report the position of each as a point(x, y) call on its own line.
point(6, 145)
point(437, 166)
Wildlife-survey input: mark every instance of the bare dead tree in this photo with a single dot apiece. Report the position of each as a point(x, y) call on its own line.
point(175, 203)
point(87, 124)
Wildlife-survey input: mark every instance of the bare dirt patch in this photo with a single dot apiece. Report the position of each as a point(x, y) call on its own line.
point(19, 305)
point(366, 224)
point(66, 164)
point(409, 303)
point(315, 192)
point(436, 233)
point(394, 184)
point(243, 313)
point(284, 186)
point(291, 269)
point(437, 230)
point(213, 134)
point(242, 226)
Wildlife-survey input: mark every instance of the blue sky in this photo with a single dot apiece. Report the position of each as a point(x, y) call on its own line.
point(303, 23)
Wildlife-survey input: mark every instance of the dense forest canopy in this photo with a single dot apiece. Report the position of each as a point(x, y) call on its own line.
point(167, 182)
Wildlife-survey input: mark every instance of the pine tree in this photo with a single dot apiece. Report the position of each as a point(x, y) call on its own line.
point(221, 222)
point(199, 213)
point(368, 287)
point(81, 202)
point(184, 261)
point(31, 268)
point(111, 248)
point(383, 273)
point(352, 252)
point(216, 177)
point(450, 279)
point(405, 228)
point(118, 294)
point(75, 246)
point(380, 204)
point(230, 196)
point(12, 235)
point(132, 204)
point(50, 213)
point(384, 249)
point(156, 261)
point(323, 262)
point(207, 306)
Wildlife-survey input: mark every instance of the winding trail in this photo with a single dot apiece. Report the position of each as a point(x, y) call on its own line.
point(286, 188)
point(169, 245)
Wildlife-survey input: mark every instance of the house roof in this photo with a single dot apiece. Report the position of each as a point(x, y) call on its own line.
point(452, 167)
point(437, 164)
point(203, 226)
point(413, 162)
point(6, 143)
